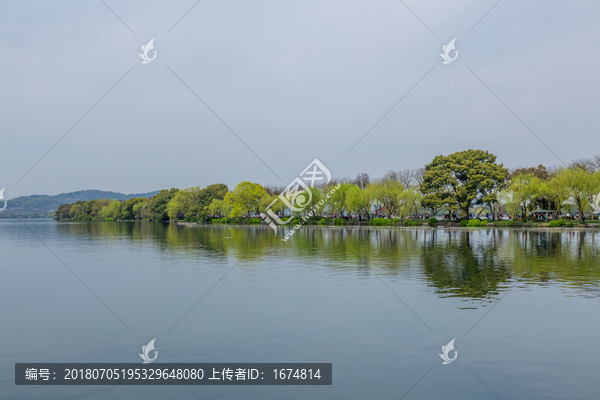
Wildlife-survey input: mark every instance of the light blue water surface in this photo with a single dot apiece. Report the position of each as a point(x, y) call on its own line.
point(377, 303)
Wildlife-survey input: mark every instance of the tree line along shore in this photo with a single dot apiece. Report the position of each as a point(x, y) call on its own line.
point(463, 186)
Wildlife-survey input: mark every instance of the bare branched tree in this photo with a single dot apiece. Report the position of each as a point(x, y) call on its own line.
point(274, 190)
point(591, 164)
point(405, 177)
point(335, 181)
point(417, 176)
point(540, 172)
point(362, 180)
point(391, 175)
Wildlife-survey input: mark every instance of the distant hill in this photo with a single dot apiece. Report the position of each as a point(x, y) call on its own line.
point(37, 205)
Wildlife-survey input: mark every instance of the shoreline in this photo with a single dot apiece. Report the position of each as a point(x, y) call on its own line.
point(424, 226)
point(544, 227)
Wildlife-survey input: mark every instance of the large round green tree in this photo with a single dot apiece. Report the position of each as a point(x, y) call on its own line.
point(465, 178)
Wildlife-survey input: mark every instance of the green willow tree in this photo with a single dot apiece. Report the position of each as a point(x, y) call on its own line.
point(141, 209)
point(337, 201)
point(219, 208)
point(411, 200)
point(315, 197)
point(523, 192)
point(558, 193)
point(359, 201)
point(388, 193)
point(581, 185)
point(112, 210)
point(245, 199)
point(182, 202)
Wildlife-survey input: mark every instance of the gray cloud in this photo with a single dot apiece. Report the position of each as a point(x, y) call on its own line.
point(295, 81)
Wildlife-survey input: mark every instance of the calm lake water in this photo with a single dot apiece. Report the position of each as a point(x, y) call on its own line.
point(377, 303)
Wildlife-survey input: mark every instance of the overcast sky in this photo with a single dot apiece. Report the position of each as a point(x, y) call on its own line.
point(294, 80)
